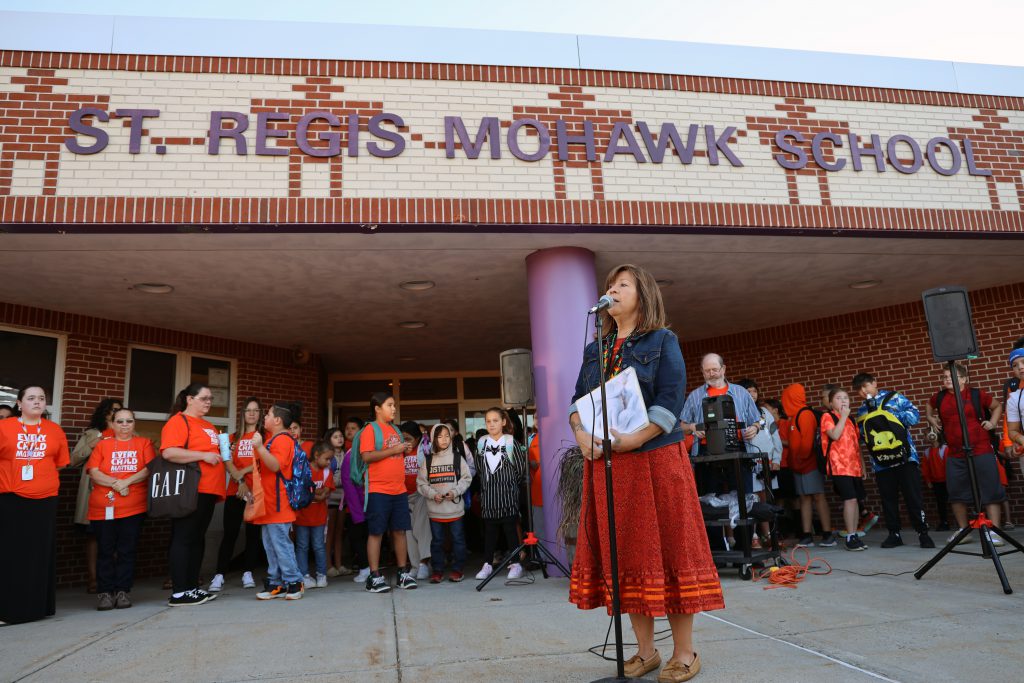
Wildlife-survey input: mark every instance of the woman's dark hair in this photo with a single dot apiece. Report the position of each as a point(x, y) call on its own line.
point(241, 418)
point(181, 400)
point(103, 410)
point(748, 383)
point(434, 448)
point(377, 400)
point(357, 421)
point(288, 411)
point(21, 394)
point(651, 313)
point(777, 404)
point(506, 426)
point(125, 409)
point(321, 446)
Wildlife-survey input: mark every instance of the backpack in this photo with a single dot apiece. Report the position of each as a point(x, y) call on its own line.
point(358, 469)
point(982, 412)
point(457, 457)
point(886, 438)
point(300, 488)
point(820, 454)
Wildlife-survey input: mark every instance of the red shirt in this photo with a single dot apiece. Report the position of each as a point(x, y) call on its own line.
point(42, 447)
point(315, 514)
point(281, 449)
point(387, 475)
point(121, 460)
point(199, 435)
point(533, 453)
point(980, 443)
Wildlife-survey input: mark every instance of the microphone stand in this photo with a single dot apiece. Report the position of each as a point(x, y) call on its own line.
point(606, 447)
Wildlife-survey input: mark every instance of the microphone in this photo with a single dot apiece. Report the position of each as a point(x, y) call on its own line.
point(602, 303)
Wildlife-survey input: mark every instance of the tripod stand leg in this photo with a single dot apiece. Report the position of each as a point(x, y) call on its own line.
point(552, 559)
point(946, 549)
point(986, 543)
point(1008, 538)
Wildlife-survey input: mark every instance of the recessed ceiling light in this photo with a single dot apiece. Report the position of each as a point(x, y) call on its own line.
point(412, 324)
point(153, 288)
point(664, 282)
point(407, 358)
point(865, 284)
point(417, 285)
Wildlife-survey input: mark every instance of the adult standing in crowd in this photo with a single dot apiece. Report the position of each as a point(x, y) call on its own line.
point(665, 564)
point(186, 438)
point(943, 416)
point(6, 411)
point(101, 425)
point(239, 491)
point(32, 449)
point(117, 506)
point(808, 478)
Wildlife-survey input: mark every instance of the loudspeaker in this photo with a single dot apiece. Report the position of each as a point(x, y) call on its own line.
point(517, 377)
point(948, 312)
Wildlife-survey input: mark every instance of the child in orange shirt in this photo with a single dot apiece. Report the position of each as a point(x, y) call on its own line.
point(311, 521)
point(845, 465)
point(283, 578)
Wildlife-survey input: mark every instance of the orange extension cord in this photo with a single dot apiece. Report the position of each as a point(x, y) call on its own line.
point(790, 576)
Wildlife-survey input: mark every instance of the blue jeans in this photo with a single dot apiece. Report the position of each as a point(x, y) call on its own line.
point(437, 535)
point(281, 565)
point(303, 535)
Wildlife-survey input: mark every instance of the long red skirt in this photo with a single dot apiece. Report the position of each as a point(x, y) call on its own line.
point(665, 564)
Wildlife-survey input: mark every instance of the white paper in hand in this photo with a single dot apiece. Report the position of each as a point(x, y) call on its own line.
point(627, 412)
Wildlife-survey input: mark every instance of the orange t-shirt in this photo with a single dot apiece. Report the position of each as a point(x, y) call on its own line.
point(200, 436)
point(536, 493)
point(315, 514)
point(387, 475)
point(282, 448)
point(119, 459)
point(844, 459)
point(43, 447)
point(784, 435)
point(241, 457)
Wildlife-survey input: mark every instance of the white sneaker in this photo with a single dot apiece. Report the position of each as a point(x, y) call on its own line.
point(217, 584)
point(423, 573)
point(308, 582)
point(966, 539)
point(248, 581)
point(996, 541)
point(485, 571)
point(321, 581)
point(515, 571)
point(363, 574)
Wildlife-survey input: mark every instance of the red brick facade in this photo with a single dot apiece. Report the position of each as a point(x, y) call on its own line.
point(97, 360)
point(891, 343)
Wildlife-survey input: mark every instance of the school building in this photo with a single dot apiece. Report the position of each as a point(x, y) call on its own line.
point(313, 212)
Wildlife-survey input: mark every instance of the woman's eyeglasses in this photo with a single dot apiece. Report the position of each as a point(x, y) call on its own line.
point(124, 422)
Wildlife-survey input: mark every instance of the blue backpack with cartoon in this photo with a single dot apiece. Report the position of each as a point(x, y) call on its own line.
point(300, 488)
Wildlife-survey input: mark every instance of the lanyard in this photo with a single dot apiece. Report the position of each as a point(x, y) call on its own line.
point(31, 445)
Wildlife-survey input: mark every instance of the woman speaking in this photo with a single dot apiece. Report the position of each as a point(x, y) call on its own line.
point(665, 565)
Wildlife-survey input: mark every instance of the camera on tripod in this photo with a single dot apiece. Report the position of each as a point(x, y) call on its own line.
point(721, 430)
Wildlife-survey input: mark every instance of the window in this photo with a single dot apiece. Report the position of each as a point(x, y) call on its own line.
point(32, 357)
point(155, 376)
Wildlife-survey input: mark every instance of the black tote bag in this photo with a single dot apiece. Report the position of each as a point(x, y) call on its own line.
point(173, 487)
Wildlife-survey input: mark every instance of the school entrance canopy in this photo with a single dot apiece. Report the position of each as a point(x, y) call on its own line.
point(284, 180)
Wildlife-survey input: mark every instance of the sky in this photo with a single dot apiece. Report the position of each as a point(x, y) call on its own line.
point(981, 31)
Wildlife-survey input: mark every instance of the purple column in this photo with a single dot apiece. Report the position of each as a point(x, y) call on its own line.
point(562, 286)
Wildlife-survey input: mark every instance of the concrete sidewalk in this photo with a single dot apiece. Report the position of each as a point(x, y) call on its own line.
point(954, 625)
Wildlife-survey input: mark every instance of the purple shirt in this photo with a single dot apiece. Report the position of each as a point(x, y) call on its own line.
point(354, 495)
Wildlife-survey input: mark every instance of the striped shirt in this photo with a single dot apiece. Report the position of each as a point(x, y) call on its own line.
point(500, 489)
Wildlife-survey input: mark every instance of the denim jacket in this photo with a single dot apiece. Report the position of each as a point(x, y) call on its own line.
point(658, 362)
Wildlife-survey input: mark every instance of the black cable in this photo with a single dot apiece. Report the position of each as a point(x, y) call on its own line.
point(659, 636)
point(850, 571)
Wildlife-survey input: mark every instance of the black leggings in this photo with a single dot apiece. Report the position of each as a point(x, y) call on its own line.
point(491, 527)
point(358, 536)
point(904, 479)
point(234, 511)
point(188, 542)
point(941, 500)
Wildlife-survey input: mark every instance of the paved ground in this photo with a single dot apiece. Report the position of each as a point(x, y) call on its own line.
point(955, 625)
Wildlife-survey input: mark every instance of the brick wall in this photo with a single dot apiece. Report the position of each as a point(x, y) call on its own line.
point(891, 343)
point(97, 360)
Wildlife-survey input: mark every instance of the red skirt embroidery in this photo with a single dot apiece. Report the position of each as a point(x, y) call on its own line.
point(665, 564)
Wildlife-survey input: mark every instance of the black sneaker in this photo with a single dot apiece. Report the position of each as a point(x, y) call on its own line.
point(209, 596)
point(189, 598)
point(406, 580)
point(894, 539)
point(829, 540)
point(294, 590)
point(925, 540)
point(854, 543)
point(807, 541)
point(375, 583)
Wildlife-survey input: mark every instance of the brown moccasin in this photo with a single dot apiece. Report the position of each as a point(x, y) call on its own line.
point(636, 666)
point(676, 672)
